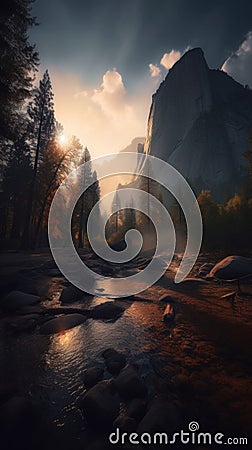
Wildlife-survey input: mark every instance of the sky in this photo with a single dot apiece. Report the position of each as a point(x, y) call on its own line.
point(107, 58)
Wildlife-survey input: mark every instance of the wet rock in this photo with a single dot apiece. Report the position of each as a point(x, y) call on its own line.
point(232, 268)
point(101, 405)
point(166, 298)
point(107, 310)
point(62, 323)
point(169, 313)
point(71, 294)
point(205, 269)
point(92, 376)
point(21, 425)
point(183, 384)
point(17, 299)
point(137, 408)
point(125, 424)
point(162, 416)
point(192, 282)
point(114, 361)
point(130, 384)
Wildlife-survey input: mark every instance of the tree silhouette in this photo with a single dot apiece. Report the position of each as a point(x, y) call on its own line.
point(42, 127)
point(18, 62)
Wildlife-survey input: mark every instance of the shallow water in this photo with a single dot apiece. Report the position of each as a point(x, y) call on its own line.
point(50, 368)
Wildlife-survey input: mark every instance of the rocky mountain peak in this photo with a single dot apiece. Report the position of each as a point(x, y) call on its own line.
point(199, 122)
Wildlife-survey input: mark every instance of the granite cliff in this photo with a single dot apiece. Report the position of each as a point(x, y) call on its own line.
point(199, 122)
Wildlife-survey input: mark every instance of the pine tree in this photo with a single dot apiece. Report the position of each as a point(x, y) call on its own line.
point(85, 201)
point(55, 165)
point(18, 62)
point(16, 180)
point(42, 127)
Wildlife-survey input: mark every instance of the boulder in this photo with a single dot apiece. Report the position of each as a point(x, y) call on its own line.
point(130, 384)
point(169, 313)
point(162, 416)
point(62, 323)
point(107, 310)
point(71, 294)
point(137, 408)
point(125, 424)
point(166, 298)
point(205, 269)
point(192, 282)
point(101, 405)
point(92, 376)
point(17, 300)
point(114, 361)
point(232, 268)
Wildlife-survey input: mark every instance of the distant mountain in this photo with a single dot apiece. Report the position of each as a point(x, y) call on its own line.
point(133, 146)
point(199, 122)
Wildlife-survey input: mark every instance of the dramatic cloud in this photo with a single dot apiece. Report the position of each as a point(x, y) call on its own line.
point(169, 59)
point(239, 64)
point(155, 71)
point(105, 117)
point(111, 96)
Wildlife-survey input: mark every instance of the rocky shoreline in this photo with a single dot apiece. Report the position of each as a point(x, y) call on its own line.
point(186, 374)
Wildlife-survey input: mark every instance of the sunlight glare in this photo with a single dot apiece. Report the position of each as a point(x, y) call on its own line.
point(62, 139)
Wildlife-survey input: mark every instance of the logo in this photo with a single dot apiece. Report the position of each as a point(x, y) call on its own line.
point(135, 164)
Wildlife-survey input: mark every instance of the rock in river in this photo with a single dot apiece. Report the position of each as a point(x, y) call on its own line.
point(130, 384)
point(17, 300)
point(161, 417)
point(71, 294)
point(166, 298)
point(107, 310)
point(169, 313)
point(62, 323)
point(232, 268)
point(92, 376)
point(101, 405)
point(114, 361)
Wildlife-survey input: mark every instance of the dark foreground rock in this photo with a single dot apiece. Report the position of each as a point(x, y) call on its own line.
point(107, 310)
point(18, 299)
point(193, 282)
point(92, 376)
point(130, 384)
point(205, 269)
point(161, 417)
point(137, 408)
point(114, 361)
point(101, 405)
point(62, 323)
point(169, 313)
point(125, 423)
point(232, 268)
point(21, 426)
point(166, 298)
point(72, 294)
